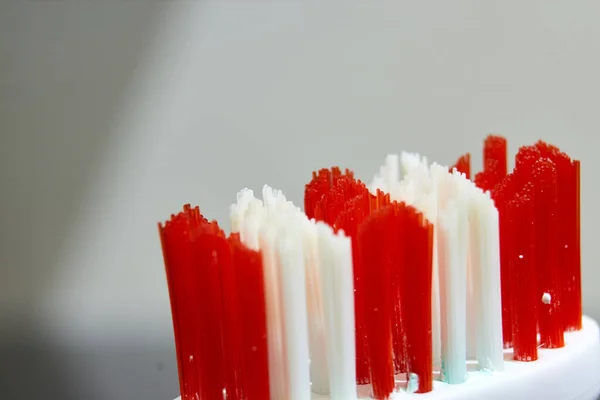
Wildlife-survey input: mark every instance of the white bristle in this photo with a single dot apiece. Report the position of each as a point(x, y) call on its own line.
point(237, 211)
point(253, 220)
point(293, 289)
point(337, 289)
point(277, 348)
point(452, 247)
point(486, 281)
point(319, 373)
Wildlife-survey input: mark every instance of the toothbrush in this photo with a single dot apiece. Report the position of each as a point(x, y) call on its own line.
point(423, 284)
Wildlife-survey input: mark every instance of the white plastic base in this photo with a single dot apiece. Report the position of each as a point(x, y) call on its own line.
point(570, 373)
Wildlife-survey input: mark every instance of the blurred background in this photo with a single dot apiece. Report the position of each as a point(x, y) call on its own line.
point(113, 114)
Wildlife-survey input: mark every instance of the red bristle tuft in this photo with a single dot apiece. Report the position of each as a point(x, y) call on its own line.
point(547, 150)
point(416, 293)
point(502, 194)
point(320, 184)
point(210, 255)
point(193, 250)
point(576, 312)
point(354, 213)
point(374, 244)
point(463, 165)
point(395, 245)
point(333, 202)
point(524, 161)
point(546, 255)
point(485, 180)
point(232, 327)
point(520, 214)
point(570, 275)
point(252, 321)
point(495, 157)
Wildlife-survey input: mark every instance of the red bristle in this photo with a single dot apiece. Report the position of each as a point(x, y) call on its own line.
point(232, 329)
point(485, 180)
point(416, 293)
point(570, 275)
point(333, 202)
point(546, 245)
point(547, 150)
point(194, 252)
point(179, 266)
point(320, 184)
point(463, 165)
point(520, 214)
point(251, 321)
point(398, 278)
point(374, 244)
point(379, 200)
point(211, 254)
point(577, 313)
point(502, 194)
point(354, 213)
point(174, 285)
point(495, 157)
point(524, 161)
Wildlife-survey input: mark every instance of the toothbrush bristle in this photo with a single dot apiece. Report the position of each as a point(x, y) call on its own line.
point(416, 295)
point(546, 253)
point(567, 192)
point(520, 234)
point(463, 165)
point(495, 157)
point(320, 184)
point(252, 321)
point(502, 194)
point(375, 242)
point(217, 301)
point(361, 289)
point(354, 213)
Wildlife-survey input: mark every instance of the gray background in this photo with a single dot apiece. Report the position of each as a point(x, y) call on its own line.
point(113, 114)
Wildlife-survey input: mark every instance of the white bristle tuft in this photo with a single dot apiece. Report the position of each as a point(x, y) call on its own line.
point(452, 247)
point(277, 348)
point(337, 289)
point(237, 210)
point(319, 372)
point(486, 281)
point(293, 288)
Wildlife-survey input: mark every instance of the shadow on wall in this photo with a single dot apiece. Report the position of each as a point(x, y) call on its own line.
point(65, 68)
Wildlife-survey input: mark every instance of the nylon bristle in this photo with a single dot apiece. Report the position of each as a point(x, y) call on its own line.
point(374, 238)
point(495, 157)
point(546, 254)
point(396, 244)
point(250, 310)
point(355, 212)
point(520, 215)
point(485, 180)
point(463, 165)
point(502, 194)
point(216, 293)
point(320, 184)
point(416, 294)
point(524, 161)
point(567, 193)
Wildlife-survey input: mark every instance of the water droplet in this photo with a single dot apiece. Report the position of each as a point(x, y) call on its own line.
point(521, 256)
point(413, 383)
point(253, 348)
point(546, 298)
point(375, 309)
